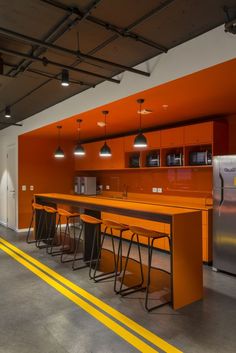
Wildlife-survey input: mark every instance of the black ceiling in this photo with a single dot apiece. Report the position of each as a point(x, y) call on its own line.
point(95, 40)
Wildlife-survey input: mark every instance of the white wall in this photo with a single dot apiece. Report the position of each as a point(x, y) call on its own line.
point(207, 50)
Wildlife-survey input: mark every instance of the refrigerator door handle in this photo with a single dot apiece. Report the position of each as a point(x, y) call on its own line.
point(221, 190)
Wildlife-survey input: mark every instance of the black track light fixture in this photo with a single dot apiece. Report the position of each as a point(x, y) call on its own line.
point(79, 149)
point(59, 153)
point(8, 112)
point(105, 151)
point(140, 140)
point(65, 78)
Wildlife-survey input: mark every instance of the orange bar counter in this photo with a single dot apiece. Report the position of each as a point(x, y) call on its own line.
point(185, 229)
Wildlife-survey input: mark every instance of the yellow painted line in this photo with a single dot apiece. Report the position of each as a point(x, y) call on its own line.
point(140, 330)
point(105, 320)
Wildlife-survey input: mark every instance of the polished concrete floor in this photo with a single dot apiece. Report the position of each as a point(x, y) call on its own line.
point(35, 318)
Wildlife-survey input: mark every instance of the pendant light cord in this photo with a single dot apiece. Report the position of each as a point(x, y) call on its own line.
point(140, 117)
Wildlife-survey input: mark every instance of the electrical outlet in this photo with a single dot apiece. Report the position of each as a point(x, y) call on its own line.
point(23, 187)
point(100, 187)
point(154, 190)
point(107, 187)
point(159, 190)
point(31, 187)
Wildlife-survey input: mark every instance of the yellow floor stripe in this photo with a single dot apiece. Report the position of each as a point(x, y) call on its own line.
point(140, 330)
point(112, 325)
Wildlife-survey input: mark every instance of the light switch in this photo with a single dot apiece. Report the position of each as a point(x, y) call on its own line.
point(31, 187)
point(107, 187)
point(23, 187)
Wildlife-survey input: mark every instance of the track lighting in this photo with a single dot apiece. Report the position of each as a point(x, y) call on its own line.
point(79, 149)
point(105, 151)
point(65, 78)
point(59, 153)
point(140, 140)
point(7, 112)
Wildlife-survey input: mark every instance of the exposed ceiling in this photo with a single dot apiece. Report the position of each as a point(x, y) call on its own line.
point(207, 94)
point(94, 39)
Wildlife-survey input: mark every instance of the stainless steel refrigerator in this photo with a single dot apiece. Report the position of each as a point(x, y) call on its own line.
point(224, 213)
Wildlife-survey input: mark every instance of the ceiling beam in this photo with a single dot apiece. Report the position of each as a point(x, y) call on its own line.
point(46, 61)
point(78, 54)
point(119, 31)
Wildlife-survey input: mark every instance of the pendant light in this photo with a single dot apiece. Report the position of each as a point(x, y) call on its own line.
point(65, 78)
point(105, 151)
point(59, 153)
point(140, 140)
point(79, 149)
point(7, 112)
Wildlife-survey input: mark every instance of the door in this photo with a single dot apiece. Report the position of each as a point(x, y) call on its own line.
point(224, 214)
point(11, 187)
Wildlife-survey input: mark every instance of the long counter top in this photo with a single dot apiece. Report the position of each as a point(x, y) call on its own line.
point(109, 204)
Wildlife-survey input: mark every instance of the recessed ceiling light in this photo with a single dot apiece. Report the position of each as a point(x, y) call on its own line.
point(144, 111)
point(101, 123)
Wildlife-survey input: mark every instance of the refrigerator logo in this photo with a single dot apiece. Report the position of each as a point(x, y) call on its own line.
point(227, 170)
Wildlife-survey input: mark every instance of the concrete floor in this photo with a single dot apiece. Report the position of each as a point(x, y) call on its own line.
point(35, 318)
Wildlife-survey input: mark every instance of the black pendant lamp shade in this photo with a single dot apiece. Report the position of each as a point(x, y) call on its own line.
point(65, 78)
point(140, 140)
point(105, 151)
point(59, 153)
point(7, 112)
point(79, 149)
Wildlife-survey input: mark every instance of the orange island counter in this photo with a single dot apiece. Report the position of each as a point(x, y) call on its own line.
point(185, 230)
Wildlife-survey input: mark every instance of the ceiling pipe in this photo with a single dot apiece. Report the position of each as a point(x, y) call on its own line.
point(78, 54)
point(46, 61)
point(125, 32)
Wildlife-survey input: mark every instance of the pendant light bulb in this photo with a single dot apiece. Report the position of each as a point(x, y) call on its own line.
point(8, 112)
point(65, 78)
point(140, 140)
point(79, 149)
point(59, 153)
point(105, 151)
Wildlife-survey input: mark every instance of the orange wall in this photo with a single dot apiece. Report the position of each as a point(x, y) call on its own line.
point(39, 168)
point(232, 134)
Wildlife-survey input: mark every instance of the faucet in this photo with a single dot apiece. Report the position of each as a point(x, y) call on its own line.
point(125, 191)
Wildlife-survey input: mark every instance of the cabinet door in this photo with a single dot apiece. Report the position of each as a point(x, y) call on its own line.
point(172, 137)
point(198, 134)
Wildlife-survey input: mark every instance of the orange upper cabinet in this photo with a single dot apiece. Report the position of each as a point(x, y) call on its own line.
point(198, 134)
point(172, 137)
point(153, 140)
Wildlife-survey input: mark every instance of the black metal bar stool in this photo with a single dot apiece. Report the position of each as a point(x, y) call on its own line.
point(96, 224)
point(151, 236)
point(110, 226)
point(47, 227)
point(35, 208)
point(67, 246)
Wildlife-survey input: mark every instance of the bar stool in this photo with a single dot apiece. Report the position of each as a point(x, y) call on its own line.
point(35, 207)
point(66, 248)
point(47, 227)
point(96, 223)
point(151, 236)
point(110, 226)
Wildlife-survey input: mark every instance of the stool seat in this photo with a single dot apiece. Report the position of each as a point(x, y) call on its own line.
point(115, 225)
point(89, 219)
point(62, 212)
point(37, 206)
point(148, 233)
point(49, 209)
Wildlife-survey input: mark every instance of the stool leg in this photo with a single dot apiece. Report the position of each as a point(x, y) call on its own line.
point(107, 275)
point(150, 252)
point(57, 252)
point(119, 258)
point(30, 226)
point(41, 236)
point(63, 250)
point(138, 286)
point(77, 243)
point(95, 239)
